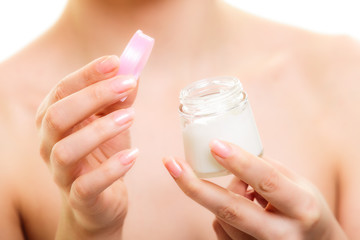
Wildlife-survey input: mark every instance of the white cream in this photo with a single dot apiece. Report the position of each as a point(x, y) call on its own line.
point(237, 126)
point(216, 108)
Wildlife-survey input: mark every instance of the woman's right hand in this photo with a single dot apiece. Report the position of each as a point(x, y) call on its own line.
point(83, 125)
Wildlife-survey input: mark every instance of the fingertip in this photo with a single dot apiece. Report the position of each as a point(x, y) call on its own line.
point(134, 152)
point(173, 167)
point(221, 149)
point(108, 64)
point(165, 159)
point(122, 84)
point(129, 157)
point(123, 116)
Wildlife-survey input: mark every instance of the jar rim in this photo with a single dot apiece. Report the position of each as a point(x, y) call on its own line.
point(210, 96)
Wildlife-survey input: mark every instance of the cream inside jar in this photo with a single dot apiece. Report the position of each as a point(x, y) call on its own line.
point(216, 108)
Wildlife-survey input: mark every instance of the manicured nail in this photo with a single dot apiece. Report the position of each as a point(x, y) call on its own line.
point(173, 167)
point(221, 149)
point(108, 64)
point(130, 157)
point(123, 99)
point(121, 84)
point(123, 116)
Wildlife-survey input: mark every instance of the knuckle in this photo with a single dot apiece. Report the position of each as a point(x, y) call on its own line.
point(59, 92)
point(89, 73)
point(98, 93)
point(228, 213)
point(246, 163)
point(100, 127)
point(241, 163)
point(192, 190)
point(39, 116)
point(80, 191)
point(44, 151)
point(52, 119)
point(310, 213)
point(111, 172)
point(58, 180)
point(216, 226)
point(73, 202)
point(283, 230)
point(60, 155)
point(270, 182)
point(283, 234)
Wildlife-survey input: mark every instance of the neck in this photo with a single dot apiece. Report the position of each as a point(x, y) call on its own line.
point(104, 26)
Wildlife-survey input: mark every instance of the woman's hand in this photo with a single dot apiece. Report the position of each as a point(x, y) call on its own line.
point(83, 125)
point(287, 207)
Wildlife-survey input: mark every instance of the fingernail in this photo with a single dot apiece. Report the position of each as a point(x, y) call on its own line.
point(130, 157)
point(120, 84)
point(124, 116)
point(220, 148)
point(173, 167)
point(108, 64)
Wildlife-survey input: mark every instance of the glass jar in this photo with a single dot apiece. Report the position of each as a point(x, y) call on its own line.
point(216, 108)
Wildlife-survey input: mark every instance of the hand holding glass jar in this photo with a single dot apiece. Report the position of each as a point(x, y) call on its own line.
point(287, 206)
point(265, 200)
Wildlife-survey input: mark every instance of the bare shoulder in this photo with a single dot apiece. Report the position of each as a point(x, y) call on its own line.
point(329, 69)
point(338, 83)
point(26, 186)
point(344, 118)
point(10, 219)
point(332, 64)
point(27, 76)
point(17, 138)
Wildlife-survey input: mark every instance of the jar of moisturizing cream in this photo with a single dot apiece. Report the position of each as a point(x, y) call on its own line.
point(216, 108)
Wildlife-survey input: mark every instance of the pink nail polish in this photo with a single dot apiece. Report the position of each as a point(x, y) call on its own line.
point(136, 54)
point(221, 148)
point(123, 116)
point(108, 64)
point(121, 84)
point(129, 157)
point(173, 167)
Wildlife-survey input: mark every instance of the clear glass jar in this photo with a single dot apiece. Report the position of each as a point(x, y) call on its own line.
point(216, 108)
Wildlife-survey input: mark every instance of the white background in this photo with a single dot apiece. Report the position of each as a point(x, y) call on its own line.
point(22, 20)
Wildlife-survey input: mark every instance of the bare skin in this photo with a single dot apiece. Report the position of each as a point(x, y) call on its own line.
point(302, 86)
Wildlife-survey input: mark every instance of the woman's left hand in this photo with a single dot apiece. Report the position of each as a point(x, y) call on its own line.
point(287, 206)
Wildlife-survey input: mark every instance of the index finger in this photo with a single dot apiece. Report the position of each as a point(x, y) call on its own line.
point(282, 192)
point(232, 208)
point(97, 70)
point(100, 69)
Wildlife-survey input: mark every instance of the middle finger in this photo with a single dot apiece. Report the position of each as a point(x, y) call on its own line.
point(226, 205)
point(69, 151)
point(66, 113)
point(271, 184)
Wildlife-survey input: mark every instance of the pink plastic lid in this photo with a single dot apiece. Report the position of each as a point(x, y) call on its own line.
point(136, 54)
